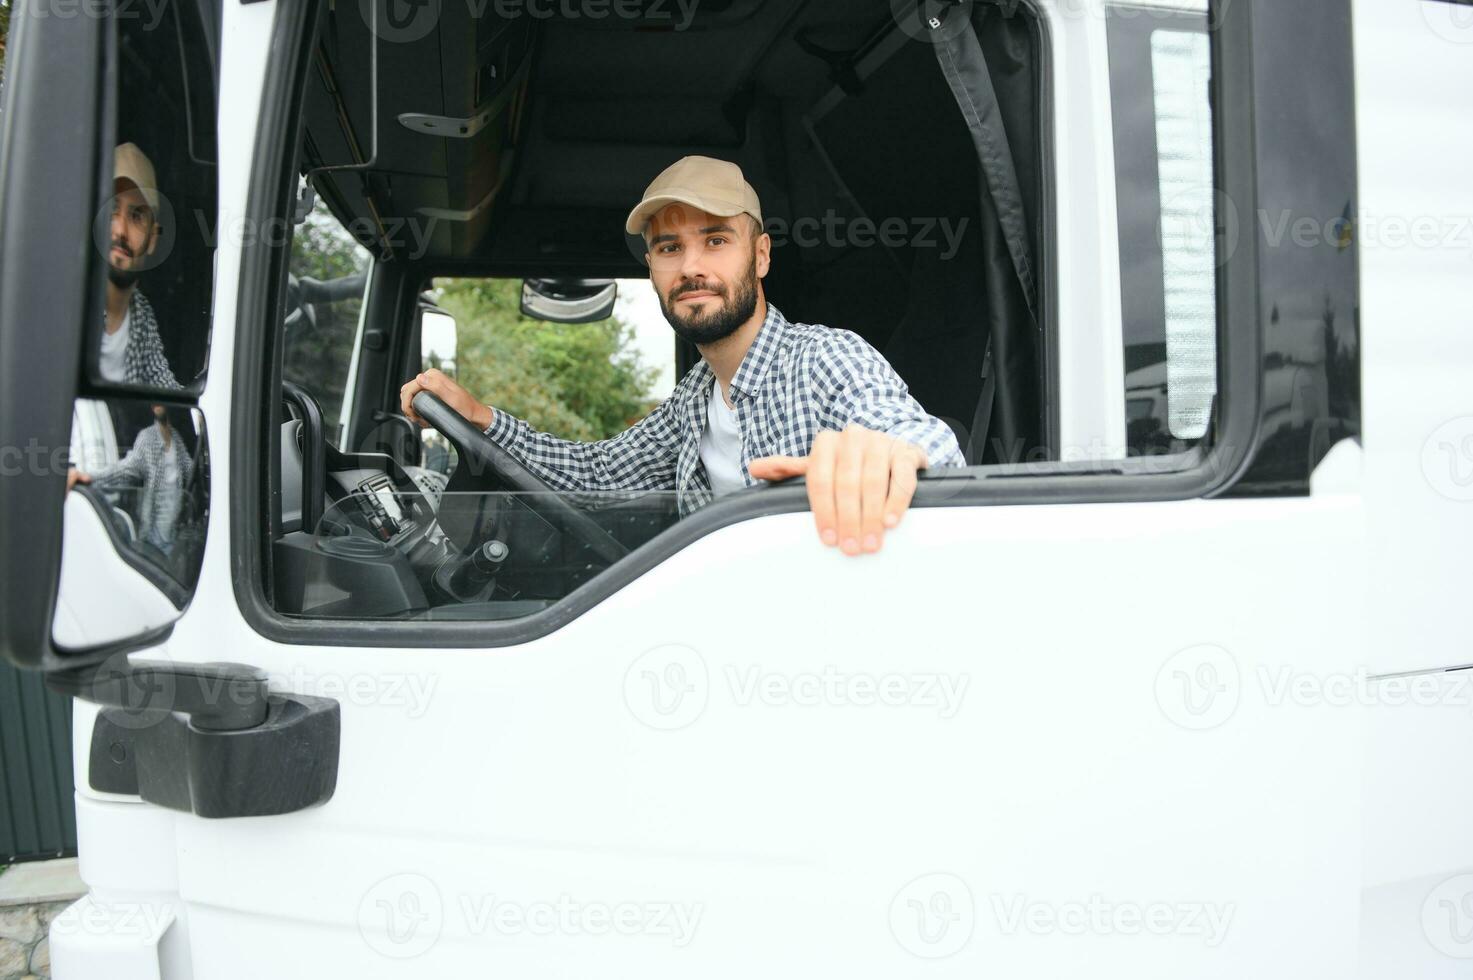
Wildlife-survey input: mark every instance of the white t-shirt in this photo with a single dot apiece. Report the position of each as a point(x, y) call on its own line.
point(114, 363)
point(721, 445)
point(170, 475)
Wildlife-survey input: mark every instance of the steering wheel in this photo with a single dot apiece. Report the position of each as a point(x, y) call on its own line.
point(482, 453)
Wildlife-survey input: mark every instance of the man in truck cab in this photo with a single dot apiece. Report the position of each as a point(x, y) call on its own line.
point(132, 352)
point(769, 400)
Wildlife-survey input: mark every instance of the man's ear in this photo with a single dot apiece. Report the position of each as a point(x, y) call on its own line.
point(155, 233)
point(764, 254)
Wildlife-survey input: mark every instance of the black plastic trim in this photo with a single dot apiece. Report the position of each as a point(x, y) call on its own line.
point(1047, 231)
point(1204, 473)
point(56, 122)
point(314, 453)
point(92, 656)
point(1306, 298)
point(286, 763)
point(263, 271)
point(387, 301)
point(217, 697)
point(208, 739)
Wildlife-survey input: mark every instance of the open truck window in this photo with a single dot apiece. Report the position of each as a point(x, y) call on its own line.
point(912, 196)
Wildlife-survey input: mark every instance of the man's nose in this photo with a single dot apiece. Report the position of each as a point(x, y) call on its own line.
point(118, 228)
point(692, 264)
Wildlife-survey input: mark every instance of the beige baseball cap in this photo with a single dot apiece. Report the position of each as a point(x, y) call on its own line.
point(714, 186)
point(131, 163)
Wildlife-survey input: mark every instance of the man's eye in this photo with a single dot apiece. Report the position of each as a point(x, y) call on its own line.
point(716, 241)
point(668, 249)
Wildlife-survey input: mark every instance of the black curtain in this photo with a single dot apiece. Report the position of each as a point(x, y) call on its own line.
point(943, 135)
point(991, 67)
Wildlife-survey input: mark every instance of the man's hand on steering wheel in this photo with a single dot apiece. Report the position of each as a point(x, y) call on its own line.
point(485, 465)
point(452, 394)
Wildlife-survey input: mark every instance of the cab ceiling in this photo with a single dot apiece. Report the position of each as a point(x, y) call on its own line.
point(507, 140)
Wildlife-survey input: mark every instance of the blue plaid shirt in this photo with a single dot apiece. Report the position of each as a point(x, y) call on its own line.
point(796, 380)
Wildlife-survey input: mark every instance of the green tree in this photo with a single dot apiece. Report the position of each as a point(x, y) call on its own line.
point(323, 250)
point(579, 381)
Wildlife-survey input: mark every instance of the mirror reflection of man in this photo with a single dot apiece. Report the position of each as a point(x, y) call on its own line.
point(132, 352)
point(158, 468)
point(769, 400)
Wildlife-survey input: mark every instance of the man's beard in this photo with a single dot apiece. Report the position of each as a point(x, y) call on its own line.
point(702, 327)
point(122, 278)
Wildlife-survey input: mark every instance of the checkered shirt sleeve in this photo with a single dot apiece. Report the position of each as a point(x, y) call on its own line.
point(639, 458)
point(859, 387)
point(797, 379)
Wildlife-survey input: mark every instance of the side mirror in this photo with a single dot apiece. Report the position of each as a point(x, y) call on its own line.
point(122, 234)
point(437, 339)
point(569, 300)
point(134, 529)
point(438, 342)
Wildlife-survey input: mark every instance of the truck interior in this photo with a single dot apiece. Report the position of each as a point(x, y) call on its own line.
point(514, 142)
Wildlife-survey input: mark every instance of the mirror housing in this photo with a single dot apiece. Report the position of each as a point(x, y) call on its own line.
point(69, 93)
point(438, 339)
point(50, 137)
point(569, 300)
point(134, 604)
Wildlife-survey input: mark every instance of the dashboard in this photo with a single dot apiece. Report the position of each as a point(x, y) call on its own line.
point(389, 541)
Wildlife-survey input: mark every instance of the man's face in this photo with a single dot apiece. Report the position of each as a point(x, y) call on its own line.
point(705, 270)
point(132, 235)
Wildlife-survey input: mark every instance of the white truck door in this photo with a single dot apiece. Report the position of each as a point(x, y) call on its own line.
point(1035, 739)
point(1031, 738)
point(1062, 722)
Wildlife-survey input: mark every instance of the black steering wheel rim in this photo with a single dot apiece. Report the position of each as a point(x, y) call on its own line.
point(480, 451)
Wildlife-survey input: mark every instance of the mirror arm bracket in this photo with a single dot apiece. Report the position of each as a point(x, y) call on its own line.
point(216, 696)
point(207, 739)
